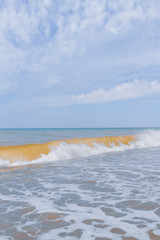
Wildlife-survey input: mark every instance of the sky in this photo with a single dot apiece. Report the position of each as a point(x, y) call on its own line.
point(79, 63)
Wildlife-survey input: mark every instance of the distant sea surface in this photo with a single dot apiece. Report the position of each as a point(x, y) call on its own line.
point(79, 192)
point(39, 135)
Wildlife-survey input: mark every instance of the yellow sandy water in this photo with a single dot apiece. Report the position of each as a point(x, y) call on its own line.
point(31, 152)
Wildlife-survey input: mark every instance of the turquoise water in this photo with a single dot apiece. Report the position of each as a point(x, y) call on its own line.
point(77, 192)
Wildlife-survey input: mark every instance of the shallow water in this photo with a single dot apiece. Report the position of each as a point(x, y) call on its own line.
point(112, 195)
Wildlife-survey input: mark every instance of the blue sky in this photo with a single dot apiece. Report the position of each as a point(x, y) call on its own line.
point(79, 63)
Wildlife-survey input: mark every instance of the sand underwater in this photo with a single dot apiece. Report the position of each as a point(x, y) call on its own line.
point(87, 186)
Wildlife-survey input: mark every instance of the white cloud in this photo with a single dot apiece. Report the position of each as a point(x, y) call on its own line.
point(55, 30)
point(125, 13)
point(39, 36)
point(128, 90)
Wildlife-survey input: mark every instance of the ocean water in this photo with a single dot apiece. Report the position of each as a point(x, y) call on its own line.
point(41, 135)
point(81, 192)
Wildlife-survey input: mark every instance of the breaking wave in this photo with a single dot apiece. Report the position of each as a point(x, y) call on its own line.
point(73, 148)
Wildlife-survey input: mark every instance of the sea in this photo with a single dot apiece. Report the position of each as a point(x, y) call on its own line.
point(81, 192)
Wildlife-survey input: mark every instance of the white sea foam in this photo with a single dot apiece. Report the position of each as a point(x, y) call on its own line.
point(64, 151)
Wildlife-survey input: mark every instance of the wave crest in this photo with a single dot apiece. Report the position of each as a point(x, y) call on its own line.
point(73, 148)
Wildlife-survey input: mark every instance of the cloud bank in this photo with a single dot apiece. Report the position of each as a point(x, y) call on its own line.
point(125, 91)
point(37, 37)
point(128, 90)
